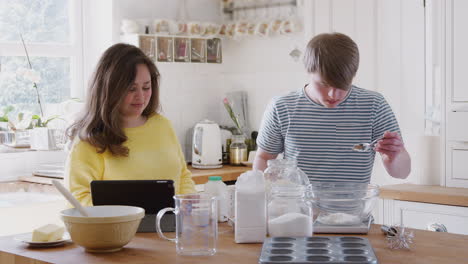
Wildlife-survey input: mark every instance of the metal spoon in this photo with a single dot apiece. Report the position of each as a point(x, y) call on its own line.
point(365, 147)
point(70, 197)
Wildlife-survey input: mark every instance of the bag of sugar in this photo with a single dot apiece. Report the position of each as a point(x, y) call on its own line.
point(250, 208)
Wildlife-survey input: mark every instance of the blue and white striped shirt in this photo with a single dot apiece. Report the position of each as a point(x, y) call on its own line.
point(321, 139)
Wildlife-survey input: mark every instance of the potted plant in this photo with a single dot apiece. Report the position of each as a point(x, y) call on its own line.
point(4, 118)
point(17, 134)
point(41, 137)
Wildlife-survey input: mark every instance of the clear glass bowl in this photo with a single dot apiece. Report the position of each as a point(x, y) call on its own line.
point(342, 203)
point(16, 139)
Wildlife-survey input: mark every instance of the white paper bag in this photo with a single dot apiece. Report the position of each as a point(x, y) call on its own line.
point(250, 208)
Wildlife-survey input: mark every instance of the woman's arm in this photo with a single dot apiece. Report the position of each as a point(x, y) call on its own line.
point(83, 165)
point(186, 184)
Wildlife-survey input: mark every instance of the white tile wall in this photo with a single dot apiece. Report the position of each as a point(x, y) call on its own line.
point(263, 68)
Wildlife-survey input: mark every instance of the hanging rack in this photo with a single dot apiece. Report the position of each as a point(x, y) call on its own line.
point(230, 10)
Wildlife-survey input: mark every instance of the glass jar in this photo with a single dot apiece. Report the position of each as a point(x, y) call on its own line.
point(237, 150)
point(289, 212)
point(283, 172)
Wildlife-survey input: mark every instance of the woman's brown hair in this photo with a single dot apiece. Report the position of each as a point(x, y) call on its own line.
point(100, 123)
point(335, 57)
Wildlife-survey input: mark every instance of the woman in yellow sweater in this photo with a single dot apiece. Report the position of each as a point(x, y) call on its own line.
point(121, 135)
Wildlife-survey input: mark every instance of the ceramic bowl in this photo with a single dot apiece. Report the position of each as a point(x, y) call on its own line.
point(107, 229)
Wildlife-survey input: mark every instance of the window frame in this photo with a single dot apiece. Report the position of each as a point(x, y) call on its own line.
point(72, 50)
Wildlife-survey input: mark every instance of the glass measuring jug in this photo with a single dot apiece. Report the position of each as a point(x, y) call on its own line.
point(196, 224)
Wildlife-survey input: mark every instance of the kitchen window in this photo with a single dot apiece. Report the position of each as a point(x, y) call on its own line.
point(52, 31)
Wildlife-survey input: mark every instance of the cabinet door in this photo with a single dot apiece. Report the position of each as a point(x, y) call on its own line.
point(422, 215)
point(456, 94)
point(459, 53)
point(457, 164)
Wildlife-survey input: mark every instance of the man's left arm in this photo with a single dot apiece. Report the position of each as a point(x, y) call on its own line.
point(395, 158)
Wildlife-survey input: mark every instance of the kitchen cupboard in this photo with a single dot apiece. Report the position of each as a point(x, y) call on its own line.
point(427, 207)
point(456, 93)
point(426, 216)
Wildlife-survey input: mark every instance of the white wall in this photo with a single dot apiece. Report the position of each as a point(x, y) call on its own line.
point(390, 35)
point(97, 34)
point(263, 68)
point(189, 92)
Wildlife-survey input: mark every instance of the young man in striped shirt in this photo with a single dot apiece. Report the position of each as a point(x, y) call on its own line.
point(319, 124)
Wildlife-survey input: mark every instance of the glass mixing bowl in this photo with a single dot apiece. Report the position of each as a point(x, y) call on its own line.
point(342, 203)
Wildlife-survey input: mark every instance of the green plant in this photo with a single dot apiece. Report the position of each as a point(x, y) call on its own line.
point(33, 76)
point(37, 121)
point(233, 116)
point(6, 111)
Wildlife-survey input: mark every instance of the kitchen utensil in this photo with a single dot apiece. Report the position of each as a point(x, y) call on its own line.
point(206, 147)
point(317, 249)
point(107, 229)
point(343, 204)
point(389, 230)
point(196, 224)
point(365, 147)
point(401, 239)
point(254, 136)
point(70, 197)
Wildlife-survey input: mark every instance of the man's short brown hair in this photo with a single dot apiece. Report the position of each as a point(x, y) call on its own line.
point(335, 57)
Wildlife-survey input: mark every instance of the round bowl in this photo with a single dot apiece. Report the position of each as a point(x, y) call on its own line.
point(107, 229)
point(343, 203)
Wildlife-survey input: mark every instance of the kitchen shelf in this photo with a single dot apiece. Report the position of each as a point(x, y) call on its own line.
point(167, 48)
point(231, 8)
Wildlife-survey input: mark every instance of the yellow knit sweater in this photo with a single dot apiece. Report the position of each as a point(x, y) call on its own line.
point(154, 153)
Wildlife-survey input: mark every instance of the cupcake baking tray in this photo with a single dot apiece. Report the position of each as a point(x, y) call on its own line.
point(317, 249)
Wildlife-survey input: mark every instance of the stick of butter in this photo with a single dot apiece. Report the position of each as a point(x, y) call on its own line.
point(48, 233)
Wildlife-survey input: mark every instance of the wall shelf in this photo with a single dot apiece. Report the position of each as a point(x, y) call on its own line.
point(167, 48)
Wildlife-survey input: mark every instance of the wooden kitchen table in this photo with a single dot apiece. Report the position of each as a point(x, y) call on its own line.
point(199, 176)
point(429, 247)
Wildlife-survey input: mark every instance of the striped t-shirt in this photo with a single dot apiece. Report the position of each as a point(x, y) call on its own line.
point(321, 139)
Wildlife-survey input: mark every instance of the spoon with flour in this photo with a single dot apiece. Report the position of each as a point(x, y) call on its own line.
point(365, 147)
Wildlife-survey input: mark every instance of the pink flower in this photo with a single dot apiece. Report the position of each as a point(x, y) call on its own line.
point(233, 115)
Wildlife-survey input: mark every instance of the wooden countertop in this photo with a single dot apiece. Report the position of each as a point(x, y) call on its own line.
point(199, 176)
point(227, 172)
point(426, 194)
point(429, 247)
